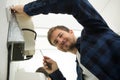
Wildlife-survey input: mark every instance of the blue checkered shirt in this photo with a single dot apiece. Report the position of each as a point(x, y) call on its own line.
point(98, 45)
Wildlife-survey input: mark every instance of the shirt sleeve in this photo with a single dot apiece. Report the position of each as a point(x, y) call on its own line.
point(82, 11)
point(57, 75)
point(48, 6)
point(39, 6)
point(88, 17)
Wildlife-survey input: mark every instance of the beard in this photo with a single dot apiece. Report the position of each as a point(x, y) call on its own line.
point(71, 47)
point(68, 49)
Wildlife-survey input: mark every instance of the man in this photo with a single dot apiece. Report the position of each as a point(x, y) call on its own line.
point(98, 47)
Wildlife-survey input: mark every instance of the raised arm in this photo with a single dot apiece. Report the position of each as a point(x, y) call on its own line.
point(82, 10)
point(88, 17)
point(45, 7)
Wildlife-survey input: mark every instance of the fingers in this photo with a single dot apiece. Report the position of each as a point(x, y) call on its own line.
point(17, 8)
point(13, 9)
point(47, 62)
point(47, 65)
point(47, 59)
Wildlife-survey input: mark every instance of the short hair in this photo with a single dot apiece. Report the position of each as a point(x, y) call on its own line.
point(53, 29)
point(42, 70)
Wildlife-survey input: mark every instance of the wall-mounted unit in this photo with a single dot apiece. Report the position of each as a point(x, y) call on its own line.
point(21, 37)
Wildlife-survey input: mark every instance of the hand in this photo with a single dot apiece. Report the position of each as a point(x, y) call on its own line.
point(18, 9)
point(52, 65)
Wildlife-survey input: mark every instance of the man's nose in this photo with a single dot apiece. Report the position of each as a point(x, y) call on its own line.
point(60, 41)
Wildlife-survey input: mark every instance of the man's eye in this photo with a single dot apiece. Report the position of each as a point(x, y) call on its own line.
point(60, 35)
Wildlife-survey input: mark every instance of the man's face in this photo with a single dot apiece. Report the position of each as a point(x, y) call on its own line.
point(63, 40)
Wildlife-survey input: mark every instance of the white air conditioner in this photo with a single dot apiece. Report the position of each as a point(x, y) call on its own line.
point(21, 37)
point(26, 25)
point(29, 76)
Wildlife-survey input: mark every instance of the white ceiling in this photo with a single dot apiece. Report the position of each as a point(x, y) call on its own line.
point(109, 9)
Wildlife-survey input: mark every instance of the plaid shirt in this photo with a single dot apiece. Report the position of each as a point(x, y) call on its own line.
point(98, 45)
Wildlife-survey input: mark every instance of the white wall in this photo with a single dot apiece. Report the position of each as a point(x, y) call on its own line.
point(3, 40)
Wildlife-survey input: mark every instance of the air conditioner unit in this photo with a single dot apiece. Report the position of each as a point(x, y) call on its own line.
point(21, 37)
